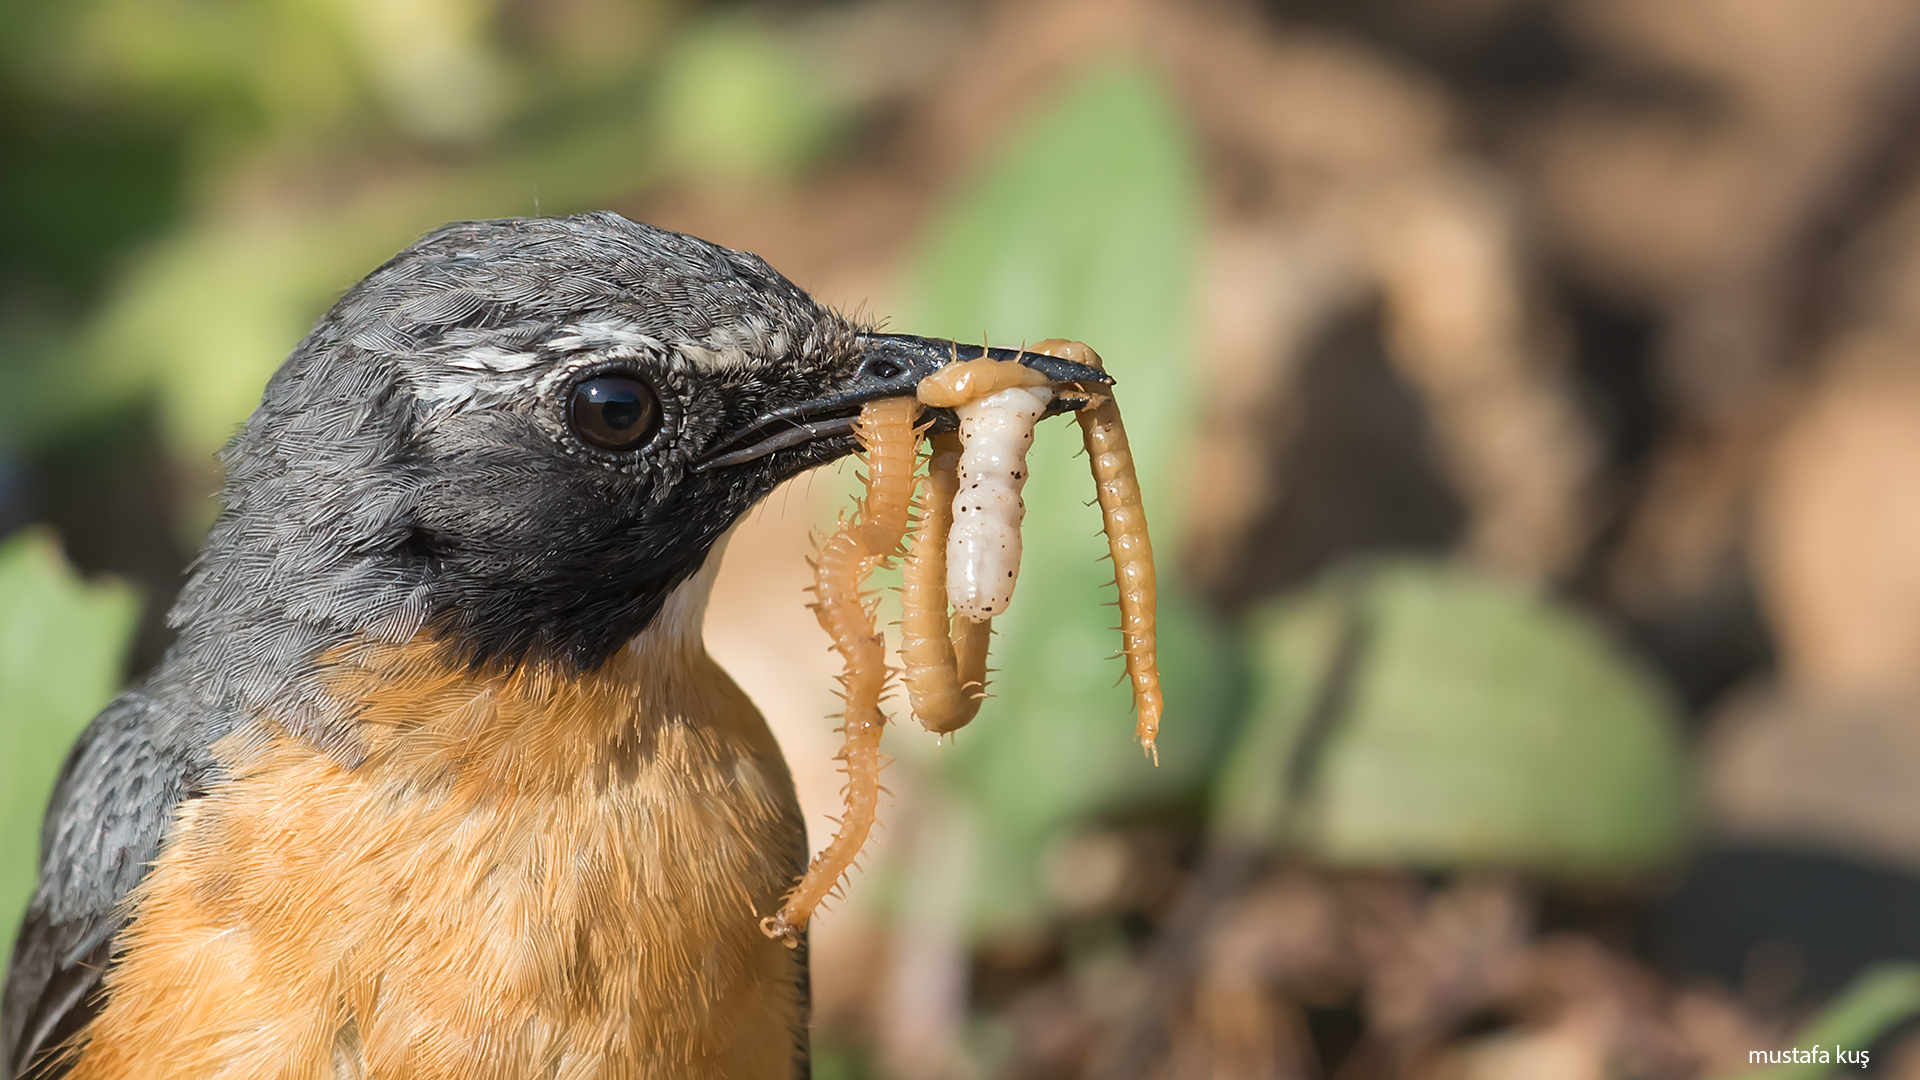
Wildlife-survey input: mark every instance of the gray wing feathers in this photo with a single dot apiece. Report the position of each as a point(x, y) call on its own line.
point(112, 803)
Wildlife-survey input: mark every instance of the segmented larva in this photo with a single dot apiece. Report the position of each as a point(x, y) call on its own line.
point(888, 444)
point(1126, 526)
point(967, 381)
point(983, 546)
point(943, 658)
point(945, 663)
point(997, 403)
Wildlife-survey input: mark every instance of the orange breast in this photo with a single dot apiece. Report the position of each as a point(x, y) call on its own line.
point(529, 875)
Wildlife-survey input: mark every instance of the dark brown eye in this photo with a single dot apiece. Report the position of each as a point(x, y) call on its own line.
point(613, 412)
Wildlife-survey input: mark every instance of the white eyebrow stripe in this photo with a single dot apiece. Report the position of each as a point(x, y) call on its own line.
point(481, 375)
point(452, 391)
point(601, 334)
point(494, 359)
point(725, 358)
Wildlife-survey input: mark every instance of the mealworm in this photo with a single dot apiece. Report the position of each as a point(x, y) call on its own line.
point(983, 544)
point(968, 381)
point(945, 676)
point(1126, 525)
point(889, 446)
point(968, 540)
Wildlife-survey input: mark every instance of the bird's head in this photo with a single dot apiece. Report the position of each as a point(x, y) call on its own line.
point(521, 436)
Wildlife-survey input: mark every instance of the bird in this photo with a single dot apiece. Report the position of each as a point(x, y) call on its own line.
point(437, 778)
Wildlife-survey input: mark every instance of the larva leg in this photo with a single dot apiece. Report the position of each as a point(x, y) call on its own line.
point(1127, 539)
point(945, 676)
point(970, 655)
point(889, 444)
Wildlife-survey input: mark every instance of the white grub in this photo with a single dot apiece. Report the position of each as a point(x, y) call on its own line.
point(983, 548)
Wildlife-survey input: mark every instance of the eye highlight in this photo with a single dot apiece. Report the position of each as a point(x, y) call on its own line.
point(615, 411)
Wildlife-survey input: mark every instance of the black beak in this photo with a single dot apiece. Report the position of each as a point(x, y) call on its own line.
point(891, 365)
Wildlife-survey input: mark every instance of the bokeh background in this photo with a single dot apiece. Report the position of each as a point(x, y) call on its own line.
point(1527, 394)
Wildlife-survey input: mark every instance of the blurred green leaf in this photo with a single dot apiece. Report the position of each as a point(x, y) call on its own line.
point(288, 69)
point(833, 1060)
point(205, 316)
point(433, 63)
point(1412, 713)
point(273, 68)
point(1875, 1001)
point(735, 102)
point(62, 643)
point(88, 187)
point(1085, 228)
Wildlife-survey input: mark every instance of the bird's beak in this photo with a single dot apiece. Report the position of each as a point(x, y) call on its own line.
point(891, 365)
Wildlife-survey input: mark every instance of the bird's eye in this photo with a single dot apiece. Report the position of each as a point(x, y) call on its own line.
point(613, 412)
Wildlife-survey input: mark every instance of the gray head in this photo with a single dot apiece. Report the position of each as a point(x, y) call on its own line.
point(520, 436)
